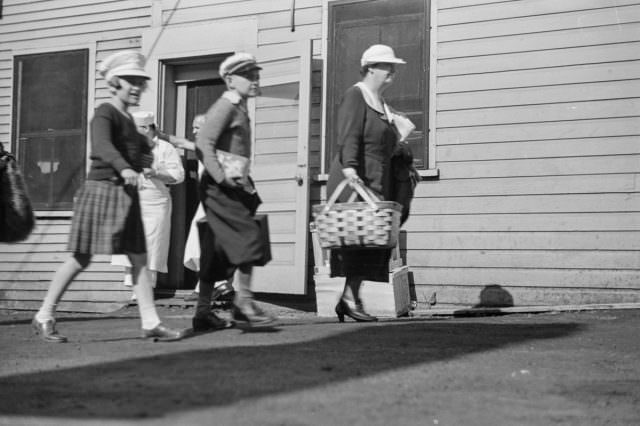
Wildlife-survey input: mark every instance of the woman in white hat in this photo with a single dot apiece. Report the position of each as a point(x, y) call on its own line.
point(155, 199)
point(106, 217)
point(367, 141)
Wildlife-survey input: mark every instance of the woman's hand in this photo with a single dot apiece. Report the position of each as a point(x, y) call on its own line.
point(129, 176)
point(351, 174)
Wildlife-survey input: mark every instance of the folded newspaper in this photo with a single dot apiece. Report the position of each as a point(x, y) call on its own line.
point(404, 126)
point(235, 167)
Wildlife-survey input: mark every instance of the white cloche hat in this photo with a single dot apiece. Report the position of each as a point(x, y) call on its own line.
point(126, 62)
point(379, 53)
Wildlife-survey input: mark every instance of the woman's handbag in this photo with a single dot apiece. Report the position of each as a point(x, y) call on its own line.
point(16, 214)
point(369, 224)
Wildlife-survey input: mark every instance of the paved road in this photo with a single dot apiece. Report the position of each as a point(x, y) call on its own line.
point(555, 368)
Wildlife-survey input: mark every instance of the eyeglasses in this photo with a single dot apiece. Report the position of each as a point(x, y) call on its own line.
point(252, 75)
point(390, 68)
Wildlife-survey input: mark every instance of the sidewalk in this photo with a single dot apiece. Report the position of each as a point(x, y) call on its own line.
point(576, 368)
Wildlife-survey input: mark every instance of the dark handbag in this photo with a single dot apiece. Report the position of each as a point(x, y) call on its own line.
point(17, 219)
point(263, 223)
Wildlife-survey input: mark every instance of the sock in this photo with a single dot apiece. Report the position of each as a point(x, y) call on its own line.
point(61, 280)
point(46, 313)
point(204, 299)
point(128, 279)
point(146, 305)
point(244, 295)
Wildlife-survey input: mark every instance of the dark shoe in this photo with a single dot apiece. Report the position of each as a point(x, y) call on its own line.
point(253, 316)
point(193, 297)
point(47, 331)
point(358, 314)
point(163, 333)
point(210, 322)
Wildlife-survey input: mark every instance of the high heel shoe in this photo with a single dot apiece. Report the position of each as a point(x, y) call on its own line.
point(358, 314)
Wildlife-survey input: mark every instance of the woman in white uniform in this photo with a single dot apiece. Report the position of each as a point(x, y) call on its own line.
point(155, 198)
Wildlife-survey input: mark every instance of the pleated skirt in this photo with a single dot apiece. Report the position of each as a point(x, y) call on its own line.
point(106, 220)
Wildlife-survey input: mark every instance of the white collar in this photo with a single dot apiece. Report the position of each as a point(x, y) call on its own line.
point(232, 97)
point(372, 100)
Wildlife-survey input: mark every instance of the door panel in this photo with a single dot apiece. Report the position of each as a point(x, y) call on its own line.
point(280, 165)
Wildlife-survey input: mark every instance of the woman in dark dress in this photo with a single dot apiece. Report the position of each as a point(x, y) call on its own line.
point(369, 153)
point(106, 217)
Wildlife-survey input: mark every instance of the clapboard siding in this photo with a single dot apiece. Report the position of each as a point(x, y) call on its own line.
point(540, 95)
point(578, 19)
point(537, 107)
point(557, 203)
point(517, 240)
point(513, 9)
point(537, 122)
point(581, 147)
point(529, 259)
point(597, 36)
point(594, 128)
point(27, 267)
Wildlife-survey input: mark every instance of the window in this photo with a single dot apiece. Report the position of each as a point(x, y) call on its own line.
point(354, 25)
point(49, 122)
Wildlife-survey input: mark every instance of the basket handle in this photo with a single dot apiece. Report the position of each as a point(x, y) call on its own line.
point(367, 195)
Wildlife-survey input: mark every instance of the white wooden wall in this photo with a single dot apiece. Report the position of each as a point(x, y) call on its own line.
point(536, 126)
point(538, 148)
point(33, 27)
point(29, 27)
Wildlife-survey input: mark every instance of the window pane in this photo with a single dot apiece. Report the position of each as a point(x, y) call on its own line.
point(50, 125)
point(53, 91)
point(402, 25)
point(52, 168)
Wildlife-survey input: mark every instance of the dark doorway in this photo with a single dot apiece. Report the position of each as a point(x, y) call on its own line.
point(189, 93)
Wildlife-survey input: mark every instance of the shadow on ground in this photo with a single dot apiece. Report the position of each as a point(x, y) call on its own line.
point(162, 384)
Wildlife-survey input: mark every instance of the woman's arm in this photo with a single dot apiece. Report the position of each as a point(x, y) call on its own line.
point(169, 165)
point(351, 116)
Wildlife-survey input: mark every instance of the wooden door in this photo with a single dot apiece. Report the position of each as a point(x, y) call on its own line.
point(280, 165)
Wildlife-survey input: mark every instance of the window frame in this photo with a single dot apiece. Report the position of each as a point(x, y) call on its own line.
point(430, 170)
point(89, 100)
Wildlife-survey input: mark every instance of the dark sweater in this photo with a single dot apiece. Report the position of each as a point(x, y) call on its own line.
point(366, 142)
point(116, 145)
point(227, 128)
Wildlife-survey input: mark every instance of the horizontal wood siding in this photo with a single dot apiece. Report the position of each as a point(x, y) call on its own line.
point(537, 131)
point(110, 26)
point(27, 267)
point(107, 26)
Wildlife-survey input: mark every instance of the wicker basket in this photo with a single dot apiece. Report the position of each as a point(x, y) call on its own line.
point(369, 224)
